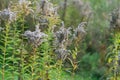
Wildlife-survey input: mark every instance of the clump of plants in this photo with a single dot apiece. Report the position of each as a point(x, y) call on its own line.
point(32, 52)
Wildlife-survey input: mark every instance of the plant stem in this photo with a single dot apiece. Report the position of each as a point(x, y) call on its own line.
point(21, 63)
point(5, 49)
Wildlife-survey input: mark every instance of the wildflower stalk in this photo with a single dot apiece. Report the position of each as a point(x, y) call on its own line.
point(21, 63)
point(5, 50)
point(34, 63)
point(14, 50)
point(59, 69)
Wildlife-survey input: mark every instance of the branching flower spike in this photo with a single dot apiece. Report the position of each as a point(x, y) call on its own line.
point(7, 15)
point(36, 37)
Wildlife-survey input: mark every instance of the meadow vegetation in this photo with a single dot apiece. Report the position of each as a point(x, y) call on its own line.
point(59, 40)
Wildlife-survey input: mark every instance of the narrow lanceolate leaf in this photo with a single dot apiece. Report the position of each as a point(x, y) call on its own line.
point(2, 47)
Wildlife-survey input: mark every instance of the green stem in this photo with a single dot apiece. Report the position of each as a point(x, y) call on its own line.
point(21, 63)
point(34, 63)
point(4, 52)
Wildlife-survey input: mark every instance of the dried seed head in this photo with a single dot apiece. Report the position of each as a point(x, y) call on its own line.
point(36, 37)
point(62, 53)
point(7, 15)
point(48, 8)
point(43, 23)
point(62, 36)
point(80, 31)
point(24, 6)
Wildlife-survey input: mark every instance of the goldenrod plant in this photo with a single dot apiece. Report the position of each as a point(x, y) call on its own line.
point(58, 40)
point(32, 52)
